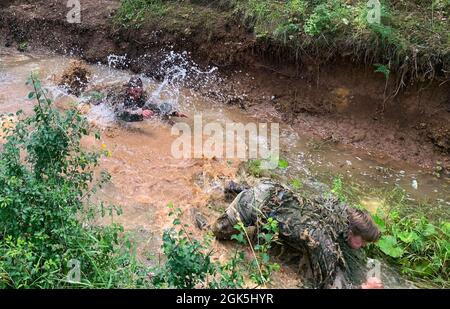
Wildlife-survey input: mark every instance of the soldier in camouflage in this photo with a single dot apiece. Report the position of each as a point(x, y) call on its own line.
point(327, 230)
point(131, 103)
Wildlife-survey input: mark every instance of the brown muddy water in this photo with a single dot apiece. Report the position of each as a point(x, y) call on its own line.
point(146, 177)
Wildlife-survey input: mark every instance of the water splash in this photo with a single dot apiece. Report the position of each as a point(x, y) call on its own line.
point(118, 61)
point(101, 115)
point(179, 72)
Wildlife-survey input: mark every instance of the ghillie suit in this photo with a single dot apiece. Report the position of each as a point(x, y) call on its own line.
point(316, 227)
point(75, 77)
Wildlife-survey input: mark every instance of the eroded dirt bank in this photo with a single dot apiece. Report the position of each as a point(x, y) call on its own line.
point(342, 101)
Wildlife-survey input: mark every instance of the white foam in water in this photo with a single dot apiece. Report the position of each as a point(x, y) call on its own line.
point(181, 72)
point(178, 71)
point(117, 60)
point(57, 91)
point(101, 114)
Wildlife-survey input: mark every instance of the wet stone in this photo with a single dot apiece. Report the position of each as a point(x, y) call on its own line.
point(199, 219)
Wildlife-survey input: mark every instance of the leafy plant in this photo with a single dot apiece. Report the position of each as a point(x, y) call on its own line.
point(22, 47)
point(419, 247)
point(266, 237)
point(95, 95)
point(46, 180)
point(262, 168)
point(338, 189)
point(283, 164)
point(189, 263)
point(133, 12)
point(326, 17)
point(296, 183)
point(254, 168)
point(381, 68)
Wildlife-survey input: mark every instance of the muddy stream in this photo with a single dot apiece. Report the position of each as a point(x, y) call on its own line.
point(146, 177)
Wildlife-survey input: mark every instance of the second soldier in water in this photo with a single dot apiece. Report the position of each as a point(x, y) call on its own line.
point(327, 230)
point(131, 104)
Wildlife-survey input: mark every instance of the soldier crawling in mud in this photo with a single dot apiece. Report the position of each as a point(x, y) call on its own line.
point(131, 103)
point(326, 230)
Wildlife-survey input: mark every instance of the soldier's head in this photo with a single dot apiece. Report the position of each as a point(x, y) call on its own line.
point(362, 228)
point(135, 88)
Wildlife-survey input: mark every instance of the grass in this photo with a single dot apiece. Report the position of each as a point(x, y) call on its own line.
point(135, 12)
point(412, 41)
point(168, 15)
point(413, 38)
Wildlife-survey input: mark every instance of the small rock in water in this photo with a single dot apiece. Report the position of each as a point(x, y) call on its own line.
point(414, 184)
point(199, 219)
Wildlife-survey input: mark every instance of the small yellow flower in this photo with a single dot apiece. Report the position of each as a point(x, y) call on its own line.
point(103, 146)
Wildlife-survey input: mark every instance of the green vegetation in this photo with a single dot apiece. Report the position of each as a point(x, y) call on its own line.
point(411, 35)
point(47, 218)
point(96, 96)
point(189, 263)
point(49, 224)
point(338, 189)
point(420, 248)
point(254, 168)
point(135, 12)
point(296, 184)
point(412, 38)
point(416, 242)
point(257, 167)
point(22, 47)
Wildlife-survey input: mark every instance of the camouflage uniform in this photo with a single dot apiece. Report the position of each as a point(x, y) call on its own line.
point(125, 107)
point(129, 109)
point(317, 227)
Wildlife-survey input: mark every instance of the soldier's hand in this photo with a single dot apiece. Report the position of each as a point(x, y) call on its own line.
point(181, 115)
point(147, 113)
point(372, 283)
